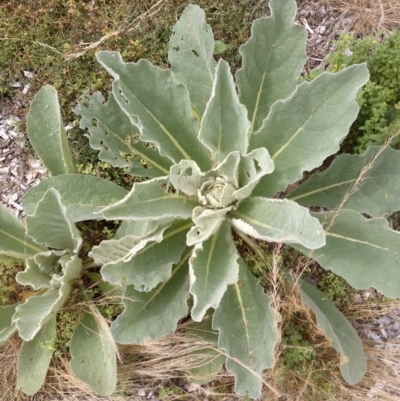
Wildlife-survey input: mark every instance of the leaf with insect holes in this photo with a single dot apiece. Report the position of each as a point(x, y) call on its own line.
point(190, 54)
point(113, 134)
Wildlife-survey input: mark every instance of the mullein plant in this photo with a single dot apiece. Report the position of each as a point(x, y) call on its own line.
point(217, 154)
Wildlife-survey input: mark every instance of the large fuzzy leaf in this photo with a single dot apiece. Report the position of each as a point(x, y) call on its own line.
point(38, 310)
point(377, 192)
point(206, 338)
point(224, 125)
point(213, 266)
point(150, 200)
point(83, 195)
point(156, 313)
point(247, 332)
point(190, 54)
point(7, 326)
point(34, 359)
point(366, 253)
point(93, 354)
point(272, 61)
point(353, 363)
point(13, 238)
point(137, 262)
point(112, 132)
point(278, 220)
point(160, 107)
point(50, 224)
point(303, 130)
point(46, 132)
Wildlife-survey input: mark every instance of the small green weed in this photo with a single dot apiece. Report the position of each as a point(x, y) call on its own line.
point(379, 116)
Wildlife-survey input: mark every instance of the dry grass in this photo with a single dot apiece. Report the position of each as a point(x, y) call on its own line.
point(367, 17)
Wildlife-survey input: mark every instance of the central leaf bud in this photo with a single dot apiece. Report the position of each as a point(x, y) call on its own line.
point(216, 193)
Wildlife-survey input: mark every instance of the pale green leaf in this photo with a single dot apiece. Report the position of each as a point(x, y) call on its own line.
point(228, 169)
point(38, 310)
point(150, 200)
point(278, 220)
point(83, 195)
point(220, 47)
point(138, 262)
point(112, 132)
point(152, 315)
point(273, 59)
point(365, 252)
point(212, 267)
point(186, 177)
point(50, 224)
point(71, 269)
point(158, 105)
point(253, 167)
point(94, 354)
point(303, 130)
point(38, 274)
point(140, 228)
point(224, 125)
point(368, 183)
point(34, 359)
point(7, 326)
point(207, 222)
point(13, 238)
point(191, 55)
point(353, 363)
point(203, 336)
point(46, 132)
point(247, 332)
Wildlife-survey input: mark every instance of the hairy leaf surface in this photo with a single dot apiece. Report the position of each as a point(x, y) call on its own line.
point(13, 238)
point(156, 313)
point(142, 265)
point(303, 130)
point(353, 363)
point(191, 57)
point(83, 195)
point(150, 200)
point(365, 252)
point(278, 220)
point(213, 266)
point(112, 132)
point(46, 132)
point(7, 326)
point(247, 333)
point(202, 333)
point(34, 359)
point(160, 107)
point(273, 59)
point(93, 354)
point(224, 125)
point(50, 224)
point(368, 183)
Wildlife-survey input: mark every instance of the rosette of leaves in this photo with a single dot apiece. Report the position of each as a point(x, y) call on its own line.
point(220, 153)
point(51, 244)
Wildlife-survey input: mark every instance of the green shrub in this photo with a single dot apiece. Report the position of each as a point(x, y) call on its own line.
point(379, 115)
